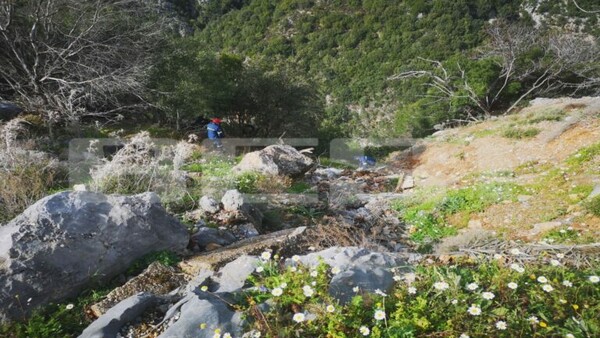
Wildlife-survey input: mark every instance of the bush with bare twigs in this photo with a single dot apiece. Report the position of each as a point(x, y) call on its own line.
point(25, 175)
point(142, 165)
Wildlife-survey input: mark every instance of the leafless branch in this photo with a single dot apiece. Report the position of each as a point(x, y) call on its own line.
point(76, 57)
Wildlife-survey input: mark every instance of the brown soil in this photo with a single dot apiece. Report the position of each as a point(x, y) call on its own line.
point(456, 157)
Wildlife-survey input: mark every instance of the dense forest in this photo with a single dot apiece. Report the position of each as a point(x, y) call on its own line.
point(302, 67)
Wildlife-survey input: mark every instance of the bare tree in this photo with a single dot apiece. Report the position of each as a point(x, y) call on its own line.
point(67, 59)
point(540, 62)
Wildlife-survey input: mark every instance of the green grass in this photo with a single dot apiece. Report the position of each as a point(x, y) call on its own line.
point(427, 215)
point(520, 133)
point(165, 257)
point(551, 115)
point(299, 187)
point(593, 205)
point(192, 167)
point(56, 320)
point(584, 156)
point(327, 162)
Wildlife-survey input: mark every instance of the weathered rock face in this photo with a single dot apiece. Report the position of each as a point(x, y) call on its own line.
point(275, 160)
point(65, 241)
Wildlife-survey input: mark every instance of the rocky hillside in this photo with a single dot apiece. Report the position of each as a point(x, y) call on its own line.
point(547, 155)
point(280, 244)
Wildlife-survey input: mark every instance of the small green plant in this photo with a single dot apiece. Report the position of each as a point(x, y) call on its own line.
point(562, 235)
point(520, 133)
point(165, 257)
point(551, 115)
point(192, 167)
point(56, 320)
point(299, 187)
point(584, 155)
point(308, 212)
point(593, 205)
point(247, 182)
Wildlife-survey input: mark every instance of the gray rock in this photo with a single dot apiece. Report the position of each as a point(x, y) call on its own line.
point(204, 308)
point(358, 267)
point(206, 235)
point(367, 278)
point(209, 205)
point(408, 183)
point(233, 275)
point(65, 241)
point(326, 174)
point(275, 160)
point(233, 200)
point(109, 324)
point(237, 210)
point(245, 230)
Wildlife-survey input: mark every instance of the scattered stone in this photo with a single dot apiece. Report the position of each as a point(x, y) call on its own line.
point(542, 227)
point(275, 160)
point(236, 210)
point(205, 237)
point(55, 248)
point(233, 201)
point(8, 111)
point(209, 205)
point(408, 183)
point(524, 198)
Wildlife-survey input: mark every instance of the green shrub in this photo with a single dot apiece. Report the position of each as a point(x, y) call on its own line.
point(247, 182)
point(552, 115)
point(593, 205)
point(519, 133)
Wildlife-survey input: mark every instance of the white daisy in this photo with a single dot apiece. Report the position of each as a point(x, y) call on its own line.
point(441, 286)
point(379, 315)
point(488, 295)
point(364, 330)
point(474, 310)
point(501, 325)
point(277, 292)
point(298, 317)
point(512, 285)
point(472, 286)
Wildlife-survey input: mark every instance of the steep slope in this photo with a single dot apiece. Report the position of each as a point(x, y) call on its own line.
point(531, 176)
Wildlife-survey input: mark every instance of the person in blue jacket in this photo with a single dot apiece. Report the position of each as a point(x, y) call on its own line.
point(215, 132)
point(365, 161)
